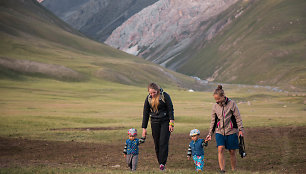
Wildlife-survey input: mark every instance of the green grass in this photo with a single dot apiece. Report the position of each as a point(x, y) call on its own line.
point(32, 108)
point(265, 45)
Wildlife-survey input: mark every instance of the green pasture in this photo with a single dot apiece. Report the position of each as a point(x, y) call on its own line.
point(40, 108)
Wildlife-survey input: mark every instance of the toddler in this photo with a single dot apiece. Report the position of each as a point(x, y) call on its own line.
point(196, 149)
point(131, 148)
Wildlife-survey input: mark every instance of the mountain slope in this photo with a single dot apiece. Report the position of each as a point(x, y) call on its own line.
point(265, 46)
point(96, 18)
point(164, 31)
point(34, 43)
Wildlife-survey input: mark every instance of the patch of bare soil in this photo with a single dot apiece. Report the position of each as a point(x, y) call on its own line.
point(87, 129)
point(268, 149)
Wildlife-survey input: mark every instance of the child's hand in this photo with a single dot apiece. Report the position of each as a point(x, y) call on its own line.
point(188, 157)
point(142, 140)
point(124, 155)
point(205, 143)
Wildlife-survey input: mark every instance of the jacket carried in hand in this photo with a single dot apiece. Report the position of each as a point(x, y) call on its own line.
point(131, 146)
point(225, 118)
point(165, 109)
point(196, 148)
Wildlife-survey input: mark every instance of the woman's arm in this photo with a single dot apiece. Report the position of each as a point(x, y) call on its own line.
point(169, 104)
point(145, 119)
point(236, 113)
point(146, 112)
point(170, 111)
point(212, 124)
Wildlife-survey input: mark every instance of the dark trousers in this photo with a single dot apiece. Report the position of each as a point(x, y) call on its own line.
point(161, 135)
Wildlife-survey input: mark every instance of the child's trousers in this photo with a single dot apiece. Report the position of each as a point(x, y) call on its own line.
point(132, 161)
point(199, 162)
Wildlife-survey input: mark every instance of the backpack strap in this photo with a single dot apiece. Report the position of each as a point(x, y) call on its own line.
point(162, 96)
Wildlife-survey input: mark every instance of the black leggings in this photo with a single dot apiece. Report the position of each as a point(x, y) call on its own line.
point(161, 135)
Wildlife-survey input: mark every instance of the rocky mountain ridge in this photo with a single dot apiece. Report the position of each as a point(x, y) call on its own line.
point(96, 18)
point(163, 31)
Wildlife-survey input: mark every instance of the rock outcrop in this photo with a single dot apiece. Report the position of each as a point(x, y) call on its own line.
point(96, 18)
point(166, 30)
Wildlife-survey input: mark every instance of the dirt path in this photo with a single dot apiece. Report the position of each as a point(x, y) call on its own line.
point(285, 149)
point(269, 149)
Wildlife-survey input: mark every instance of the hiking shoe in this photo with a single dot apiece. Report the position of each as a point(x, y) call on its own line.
point(161, 167)
point(222, 171)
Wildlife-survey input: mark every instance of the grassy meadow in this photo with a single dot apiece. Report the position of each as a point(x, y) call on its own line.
point(51, 123)
point(33, 108)
point(101, 112)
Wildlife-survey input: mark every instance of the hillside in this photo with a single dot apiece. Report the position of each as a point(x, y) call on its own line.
point(96, 18)
point(250, 42)
point(264, 46)
point(36, 44)
point(237, 41)
point(164, 31)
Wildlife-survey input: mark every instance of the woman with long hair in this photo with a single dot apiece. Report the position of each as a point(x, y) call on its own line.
point(158, 106)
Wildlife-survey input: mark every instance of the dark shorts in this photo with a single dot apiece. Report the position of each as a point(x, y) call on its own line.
point(229, 141)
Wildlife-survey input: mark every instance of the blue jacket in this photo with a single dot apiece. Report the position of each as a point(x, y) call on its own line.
point(131, 147)
point(196, 147)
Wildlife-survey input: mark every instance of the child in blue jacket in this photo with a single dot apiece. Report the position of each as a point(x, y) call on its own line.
point(196, 149)
point(131, 149)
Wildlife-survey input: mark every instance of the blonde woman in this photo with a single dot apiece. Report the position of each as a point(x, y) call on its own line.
point(158, 106)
